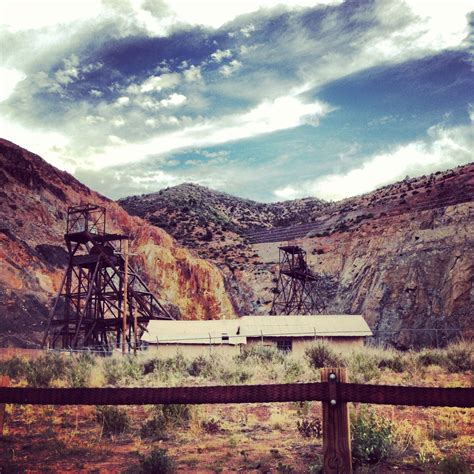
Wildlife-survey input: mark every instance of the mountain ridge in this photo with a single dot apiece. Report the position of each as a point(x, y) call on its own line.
point(416, 230)
point(33, 206)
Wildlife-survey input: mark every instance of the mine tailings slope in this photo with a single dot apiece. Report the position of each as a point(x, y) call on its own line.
point(34, 197)
point(403, 255)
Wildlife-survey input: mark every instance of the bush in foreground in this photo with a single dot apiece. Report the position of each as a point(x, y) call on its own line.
point(454, 463)
point(372, 437)
point(114, 420)
point(158, 461)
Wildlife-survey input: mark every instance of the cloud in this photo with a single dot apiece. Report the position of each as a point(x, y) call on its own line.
point(155, 83)
point(442, 149)
point(192, 74)
point(269, 116)
point(31, 14)
point(9, 78)
point(219, 55)
point(231, 68)
point(127, 79)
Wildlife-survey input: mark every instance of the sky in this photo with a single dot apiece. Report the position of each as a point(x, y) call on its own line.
point(262, 99)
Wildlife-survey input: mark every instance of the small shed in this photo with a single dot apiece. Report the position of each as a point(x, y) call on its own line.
point(227, 337)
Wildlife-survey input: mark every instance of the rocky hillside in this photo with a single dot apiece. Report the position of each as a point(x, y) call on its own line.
point(34, 197)
point(214, 223)
point(402, 255)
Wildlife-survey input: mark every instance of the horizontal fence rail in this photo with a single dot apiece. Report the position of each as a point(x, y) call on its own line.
point(317, 391)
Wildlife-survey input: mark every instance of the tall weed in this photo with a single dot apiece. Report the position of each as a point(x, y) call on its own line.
point(321, 354)
point(363, 367)
point(460, 356)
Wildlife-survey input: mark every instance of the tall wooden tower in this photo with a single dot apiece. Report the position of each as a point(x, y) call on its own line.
point(101, 301)
point(297, 290)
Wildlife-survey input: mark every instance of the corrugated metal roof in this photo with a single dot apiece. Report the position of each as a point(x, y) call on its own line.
point(337, 325)
point(238, 330)
point(194, 332)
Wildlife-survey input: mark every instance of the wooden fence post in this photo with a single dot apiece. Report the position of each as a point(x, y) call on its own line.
point(4, 382)
point(336, 427)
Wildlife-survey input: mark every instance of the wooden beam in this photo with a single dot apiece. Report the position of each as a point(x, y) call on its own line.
point(336, 427)
point(125, 295)
point(4, 382)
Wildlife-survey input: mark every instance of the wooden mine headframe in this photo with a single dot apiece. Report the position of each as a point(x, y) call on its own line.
point(101, 301)
point(297, 290)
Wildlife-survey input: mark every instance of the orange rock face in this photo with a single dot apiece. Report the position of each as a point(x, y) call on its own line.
point(34, 198)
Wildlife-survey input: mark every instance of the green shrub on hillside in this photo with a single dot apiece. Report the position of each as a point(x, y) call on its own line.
point(454, 463)
point(166, 417)
point(321, 354)
point(392, 360)
point(165, 368)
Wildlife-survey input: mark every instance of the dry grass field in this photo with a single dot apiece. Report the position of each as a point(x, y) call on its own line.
point(278, 437)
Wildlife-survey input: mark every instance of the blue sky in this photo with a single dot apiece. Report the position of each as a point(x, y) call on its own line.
point(264, 100)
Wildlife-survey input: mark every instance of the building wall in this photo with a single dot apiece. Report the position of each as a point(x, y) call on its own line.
point(192, 351)
point(300, 344)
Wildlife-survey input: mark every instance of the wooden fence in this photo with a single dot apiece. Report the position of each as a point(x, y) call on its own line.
point(333, 391)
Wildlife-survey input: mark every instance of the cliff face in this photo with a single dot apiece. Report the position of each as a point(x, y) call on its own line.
point(403, 255)
point(34, 198)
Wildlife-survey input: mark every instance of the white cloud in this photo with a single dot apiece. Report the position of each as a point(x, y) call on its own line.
point(192, 74)
point(9, 78)
point(155, 83)
point(215, 13)
point(124, 100)
point(270, 116)
point(31, 14)
point(229, 69)
point(219, 55)
point(247, 30)
point(173, 100)
point(443, 149)
point(69, 73)
point(444, 24)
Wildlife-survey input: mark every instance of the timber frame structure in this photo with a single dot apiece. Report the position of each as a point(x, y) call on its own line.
point(298, 287)
point(101, 301)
